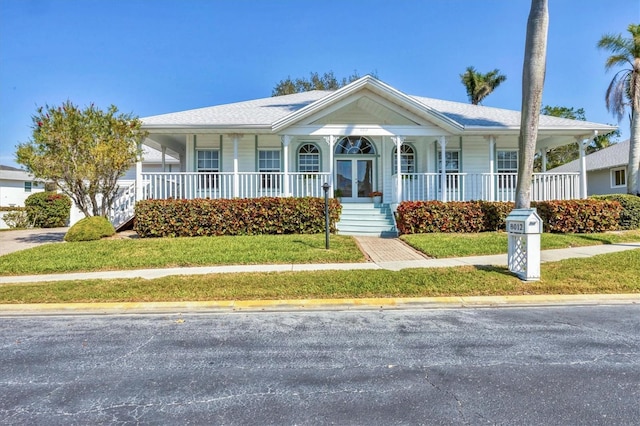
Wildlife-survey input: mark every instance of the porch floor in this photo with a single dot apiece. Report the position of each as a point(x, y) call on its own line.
point(384, 250)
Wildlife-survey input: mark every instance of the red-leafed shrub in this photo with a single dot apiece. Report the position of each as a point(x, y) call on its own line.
point(200, 217)
point(579, 216)
point(571, 216)
point(495, 214)
point(415, 217)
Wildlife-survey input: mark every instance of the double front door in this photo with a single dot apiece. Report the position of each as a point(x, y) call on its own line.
point(354, 178)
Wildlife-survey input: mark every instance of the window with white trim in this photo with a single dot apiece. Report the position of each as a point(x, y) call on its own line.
point(309, 158)
point(452, 165)
point(407, 159)
point(507, 168)
point(208, 162)
point(269, 166)
point(619, 177)
point(27, 186)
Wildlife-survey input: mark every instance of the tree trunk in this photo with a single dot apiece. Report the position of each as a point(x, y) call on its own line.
point(533, 72)
point(633, 178)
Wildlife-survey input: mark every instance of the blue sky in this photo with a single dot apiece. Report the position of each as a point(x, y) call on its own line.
point(153, 57)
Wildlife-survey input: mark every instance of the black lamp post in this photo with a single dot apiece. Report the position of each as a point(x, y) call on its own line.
point(325, 187)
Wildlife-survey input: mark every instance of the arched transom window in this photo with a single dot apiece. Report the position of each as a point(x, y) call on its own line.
point(407, 159)
point(355, 145)
point(308, 158)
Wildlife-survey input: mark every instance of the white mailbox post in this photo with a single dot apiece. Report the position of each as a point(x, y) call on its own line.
point(524, 227)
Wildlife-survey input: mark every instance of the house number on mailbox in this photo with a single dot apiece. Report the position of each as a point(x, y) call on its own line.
point(516, 227)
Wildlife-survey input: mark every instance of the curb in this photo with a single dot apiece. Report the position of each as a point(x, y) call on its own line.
point(314, 304)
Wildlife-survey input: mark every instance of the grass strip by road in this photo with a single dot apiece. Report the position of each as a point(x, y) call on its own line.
point(604, 274)
point(486, 243)
point(121, 254)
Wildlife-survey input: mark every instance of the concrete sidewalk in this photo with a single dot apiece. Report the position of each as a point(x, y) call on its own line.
point(401, 257)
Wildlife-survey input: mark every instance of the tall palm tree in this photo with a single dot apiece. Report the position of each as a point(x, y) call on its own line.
point(533, 70)
point(479, 85)
point(624, 90)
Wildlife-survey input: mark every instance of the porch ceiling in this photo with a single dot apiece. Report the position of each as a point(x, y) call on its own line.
point(175, 144)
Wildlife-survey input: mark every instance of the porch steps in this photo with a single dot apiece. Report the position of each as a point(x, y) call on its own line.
point(367, 219)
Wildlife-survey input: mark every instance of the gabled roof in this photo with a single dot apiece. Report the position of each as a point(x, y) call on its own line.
point(275, 114)
point(613, 156)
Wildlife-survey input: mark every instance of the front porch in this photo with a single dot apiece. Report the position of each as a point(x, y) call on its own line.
point(414, 187)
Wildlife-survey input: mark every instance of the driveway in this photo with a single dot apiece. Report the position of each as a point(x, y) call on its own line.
point(11, 241)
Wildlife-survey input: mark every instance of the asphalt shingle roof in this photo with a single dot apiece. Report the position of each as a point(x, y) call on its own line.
point(612, 156)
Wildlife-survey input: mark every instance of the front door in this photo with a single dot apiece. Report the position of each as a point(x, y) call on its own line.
point(354, 178)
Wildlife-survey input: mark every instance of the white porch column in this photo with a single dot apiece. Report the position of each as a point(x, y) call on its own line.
point(236, 176)
point(543, 156)
point(443, 167)
point(582, 145)
point(398, 141)
point(331, 141)
point(139, 193)
point(164, 159)
point(286, 140)
point(492, 168)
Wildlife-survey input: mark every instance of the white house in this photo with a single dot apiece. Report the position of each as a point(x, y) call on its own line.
point(606, 169)
point(16, 185)
point(364, 137)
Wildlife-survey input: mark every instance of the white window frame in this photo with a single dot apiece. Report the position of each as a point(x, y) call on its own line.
point(309, 166)
point(28, 186)
point(407, 160)
point(613, 177)
point(506, 182)
point(452, 181)
point(269, 181)
point(207, 181)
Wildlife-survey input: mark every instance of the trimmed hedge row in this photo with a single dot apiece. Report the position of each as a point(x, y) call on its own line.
point(571, 216)
point(630, 216)
point(206, 217)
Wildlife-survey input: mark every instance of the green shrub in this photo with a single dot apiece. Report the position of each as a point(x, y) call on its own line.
point(90, 229)
point(579, 216)
point(630, 215)
point(16, 218)
point(570, 216)
point(48, 209)
point(416, 217)
point(495, 214)
point(255, 216)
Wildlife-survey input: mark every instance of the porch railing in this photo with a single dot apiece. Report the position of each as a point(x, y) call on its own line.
point(189, 185)
point(485, 186)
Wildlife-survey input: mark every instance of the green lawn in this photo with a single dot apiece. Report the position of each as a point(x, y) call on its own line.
point(459, 245)
point(610, 273)
point(121, 254)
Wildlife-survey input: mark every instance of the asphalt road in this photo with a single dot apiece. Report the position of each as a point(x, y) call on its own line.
point(524, 366)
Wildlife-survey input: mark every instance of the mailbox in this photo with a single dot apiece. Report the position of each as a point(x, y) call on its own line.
point(524, 227)
point(524, 221)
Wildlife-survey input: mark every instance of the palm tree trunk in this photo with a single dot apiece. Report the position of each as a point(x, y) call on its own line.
point(633, 180)
point(532, 84)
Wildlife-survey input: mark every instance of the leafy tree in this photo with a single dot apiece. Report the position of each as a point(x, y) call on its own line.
point(563, 154)
point(84, 152)
point(479, 85)
point(624, 90)
point(533, 71)
point(327, 81)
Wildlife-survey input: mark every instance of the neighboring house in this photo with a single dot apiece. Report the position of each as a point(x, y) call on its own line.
point(606, 169)
point(357, 139)
point(16, 185)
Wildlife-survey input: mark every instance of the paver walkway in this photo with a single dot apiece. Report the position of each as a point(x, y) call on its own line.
point(381, 250)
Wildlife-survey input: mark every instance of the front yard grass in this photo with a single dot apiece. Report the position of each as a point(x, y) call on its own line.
point(443, 245)
point(142, 253)
point(610, 273)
